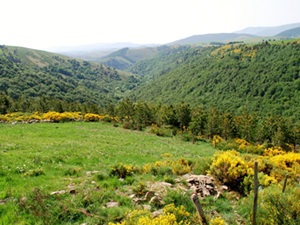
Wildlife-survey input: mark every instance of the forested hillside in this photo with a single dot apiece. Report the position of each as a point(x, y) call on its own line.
point(263, 78)
point(168, 58)
point(31, 74)
point(292, 33)
point(143, 61)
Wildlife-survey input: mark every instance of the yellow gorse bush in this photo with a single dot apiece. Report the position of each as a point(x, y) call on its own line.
point(229, 167)
point(217, 221)
point(236, 170)
point(61, 117)
point(172, 215)
point(274, 151)
point(53, 116)
point(242, 143)
point(287, 164)
point(216, 140)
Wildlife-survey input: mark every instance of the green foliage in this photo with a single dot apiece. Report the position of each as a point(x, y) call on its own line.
point(274, 207)
point(32, 74)
point(122, 171)
point(230, 77)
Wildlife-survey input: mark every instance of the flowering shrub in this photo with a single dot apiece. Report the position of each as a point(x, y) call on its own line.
point(91, 117)
point(236, 170)
point(122, 170)
point(161, 168)
point(168, 167)
point(61, 117)
point(274, 151)
point(285, 164)
point(181, 167)
point(162, 131)
point(216, 140)
point(242, 143)
point(172, 215)
point(229, 168)
point(217, 221)
point(4, 118)
point(274, 207)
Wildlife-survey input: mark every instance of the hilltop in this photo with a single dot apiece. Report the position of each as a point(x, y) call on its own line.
point(292, 33)
point(268, 31)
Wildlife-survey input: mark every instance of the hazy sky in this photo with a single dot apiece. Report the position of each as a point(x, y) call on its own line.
point(43, 24)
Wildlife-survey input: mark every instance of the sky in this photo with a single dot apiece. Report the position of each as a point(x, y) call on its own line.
point(45, 24)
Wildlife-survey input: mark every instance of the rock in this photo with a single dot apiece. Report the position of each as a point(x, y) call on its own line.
point(86, 213)
point(3, 201)
point(147, 207)
point(157, 213)
point(132, 196)
point(112, 204)
point(61, 192)
point(204, 185)
point(88, 173)
point(149, 195)
point(156, 200)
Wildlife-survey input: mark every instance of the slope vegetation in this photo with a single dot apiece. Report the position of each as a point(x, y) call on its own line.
point(263, 77)
point(126, 57)
point(292, 33)
point(31, 73)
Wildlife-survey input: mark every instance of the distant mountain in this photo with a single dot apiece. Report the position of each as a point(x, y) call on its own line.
point(126, 57)
point(292, 33)
point(218, 37)
point(33, 74)
point(268, 31)
point(94, 52)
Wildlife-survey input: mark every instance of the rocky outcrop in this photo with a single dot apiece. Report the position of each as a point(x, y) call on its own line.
point(204, 185)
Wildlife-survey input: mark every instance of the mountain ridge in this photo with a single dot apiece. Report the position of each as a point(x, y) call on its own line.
point(268, 31)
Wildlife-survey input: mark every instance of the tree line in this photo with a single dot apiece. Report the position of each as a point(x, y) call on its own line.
point(181, 118)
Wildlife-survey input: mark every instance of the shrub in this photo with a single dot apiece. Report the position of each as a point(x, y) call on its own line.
point(229, 168)
point(34, 172)
point(161, 168)
point(164, 131)
point(285, 164)
point(172, 215)
point(201, 166)
point(73, 171)
point(122, 170)
point(274, 207)
point(4, 118)
point(91, 117)
point(179, 198)
point(140, 189)
point(181, 167)
point(217, 221)
point(274, 151)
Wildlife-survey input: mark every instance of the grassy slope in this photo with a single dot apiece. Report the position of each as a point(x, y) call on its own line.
point(57, 148)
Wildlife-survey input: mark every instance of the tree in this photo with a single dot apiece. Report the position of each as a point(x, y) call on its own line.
point(198, 122)
point(125, 112)
point(142, 115)
point(213, 122)
point(183, 112)
point(4, 104)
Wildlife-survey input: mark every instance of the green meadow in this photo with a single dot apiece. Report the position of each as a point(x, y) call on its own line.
point(42, 158)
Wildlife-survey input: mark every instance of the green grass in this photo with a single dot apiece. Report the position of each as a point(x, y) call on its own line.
point(37, 159)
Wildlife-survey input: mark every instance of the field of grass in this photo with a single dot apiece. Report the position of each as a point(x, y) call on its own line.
point(39, 159)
